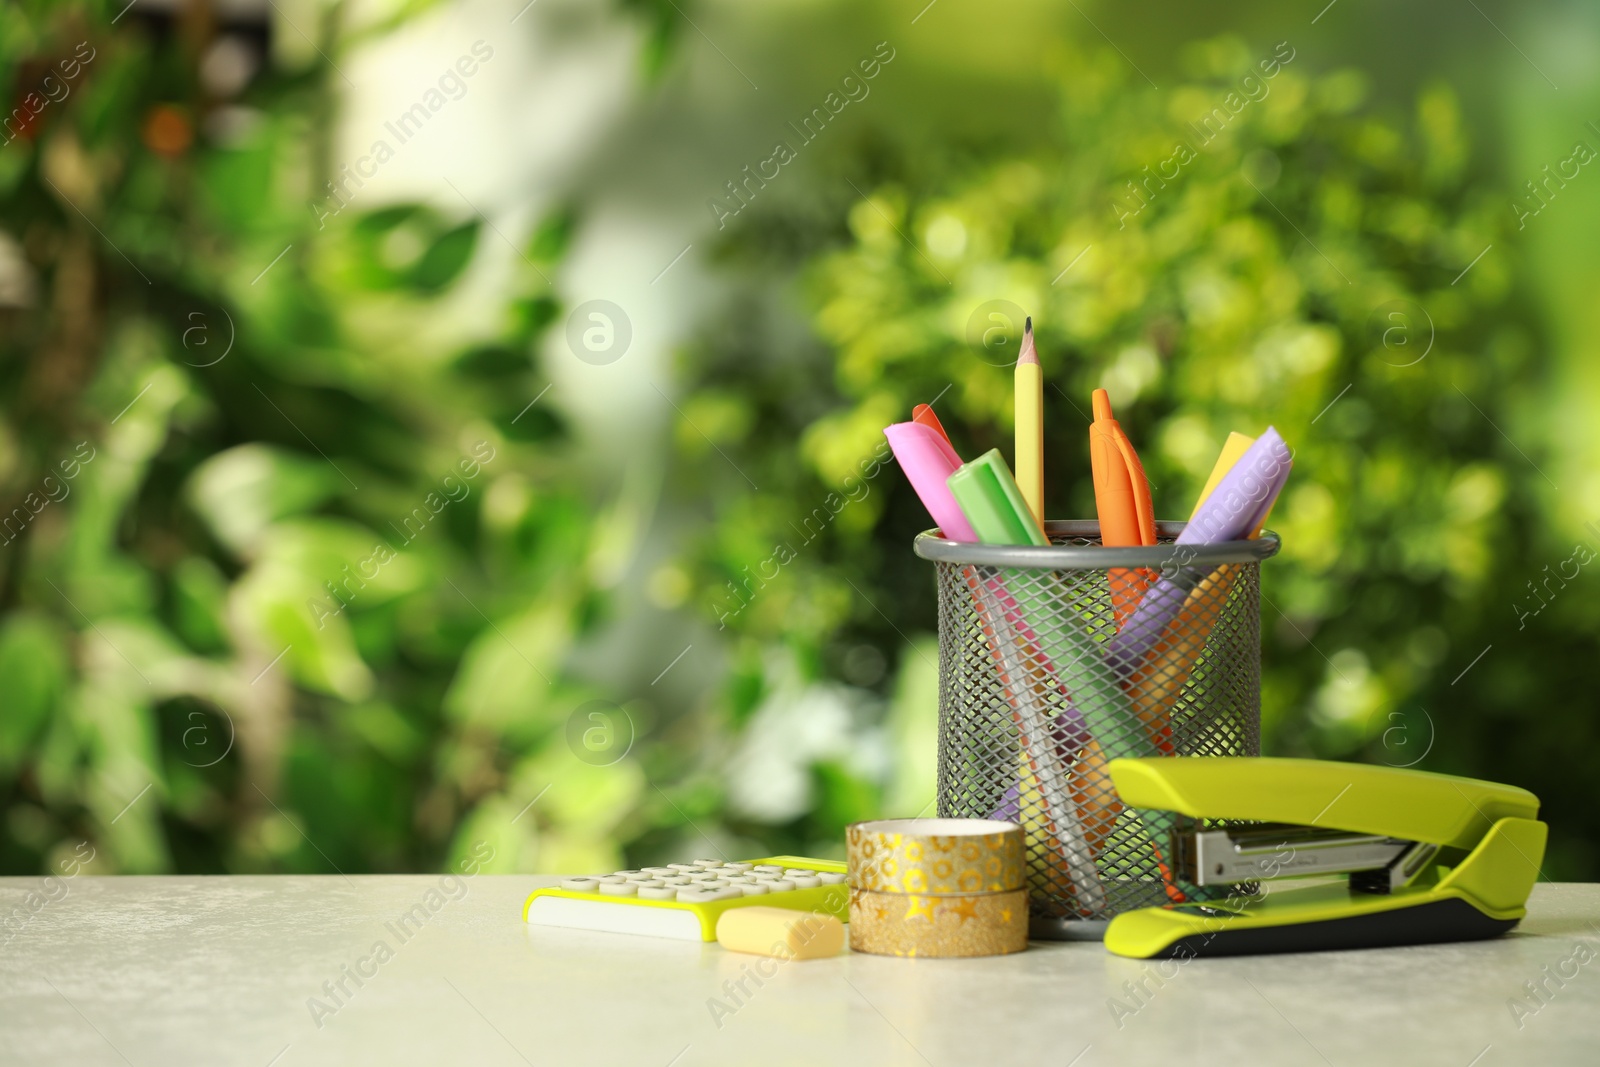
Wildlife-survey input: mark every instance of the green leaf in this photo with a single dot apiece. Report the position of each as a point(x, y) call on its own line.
point(199, 592)
point(493, 363)
point(243, 491)
point(445, 258)
point(33, 675)
point(550, 240)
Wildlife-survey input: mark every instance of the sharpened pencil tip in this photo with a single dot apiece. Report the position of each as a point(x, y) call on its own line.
point(1026, 352)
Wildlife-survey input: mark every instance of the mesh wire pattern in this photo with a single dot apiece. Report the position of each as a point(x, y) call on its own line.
point(1051, 668)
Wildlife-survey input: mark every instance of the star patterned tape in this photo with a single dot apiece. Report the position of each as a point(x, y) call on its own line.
point(958, 924)
point(936, 856)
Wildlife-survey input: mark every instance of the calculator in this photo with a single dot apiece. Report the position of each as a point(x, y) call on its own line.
point(684, 900)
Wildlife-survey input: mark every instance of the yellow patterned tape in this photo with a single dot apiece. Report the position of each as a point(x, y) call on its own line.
point(936, 856)
point(959, 924)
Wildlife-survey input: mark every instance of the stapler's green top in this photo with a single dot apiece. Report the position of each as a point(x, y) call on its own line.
point(1414, 805)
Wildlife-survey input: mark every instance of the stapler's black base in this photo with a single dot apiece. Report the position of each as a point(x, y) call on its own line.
point(1438, 921)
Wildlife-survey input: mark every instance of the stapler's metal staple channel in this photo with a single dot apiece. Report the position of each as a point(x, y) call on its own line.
point(1034, 699)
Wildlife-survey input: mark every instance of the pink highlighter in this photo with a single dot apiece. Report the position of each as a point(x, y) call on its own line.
point(929, 461)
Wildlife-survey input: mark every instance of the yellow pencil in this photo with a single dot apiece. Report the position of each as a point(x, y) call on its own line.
point(1232, 449)
point(1029, 384)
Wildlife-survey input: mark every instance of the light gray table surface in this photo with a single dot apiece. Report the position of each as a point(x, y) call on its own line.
point(222, 970)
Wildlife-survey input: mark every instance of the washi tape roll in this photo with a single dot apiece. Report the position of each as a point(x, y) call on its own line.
point(936, 856)
point(948, 926)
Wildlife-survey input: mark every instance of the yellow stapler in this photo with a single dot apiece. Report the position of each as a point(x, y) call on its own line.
point(1421, 857)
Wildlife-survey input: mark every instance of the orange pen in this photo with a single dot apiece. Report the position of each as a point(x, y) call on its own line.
point(1127, 517)
point(1122, 501)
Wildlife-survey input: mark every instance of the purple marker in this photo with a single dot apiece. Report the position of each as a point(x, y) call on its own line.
point(1235, 508)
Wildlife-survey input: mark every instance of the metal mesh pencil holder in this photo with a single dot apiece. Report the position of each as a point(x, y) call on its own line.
point(1053, 661)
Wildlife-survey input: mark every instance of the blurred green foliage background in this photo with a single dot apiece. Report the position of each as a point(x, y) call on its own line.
point(329, 546)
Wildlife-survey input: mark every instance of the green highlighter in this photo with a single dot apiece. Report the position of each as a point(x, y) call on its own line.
point(1025, 602)
point(1392, 856)
point(993, 504)
point(999, 515)
point(1011, 601)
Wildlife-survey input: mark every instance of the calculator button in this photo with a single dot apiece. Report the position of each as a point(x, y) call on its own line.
point(706, 896)
point(740, 867)
point(676, 882)
point(767, 868)
point(701, 876)
point(658, 892)
point(803, 872)
point(620, 889)
point(612, 879)
point(753, 889)
point(805, 881)
point(684, 868)
point(707, 863)
point(638, 876)
point(830, 878)
point(584, 885)
point(660, 872)
point(780, 885)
